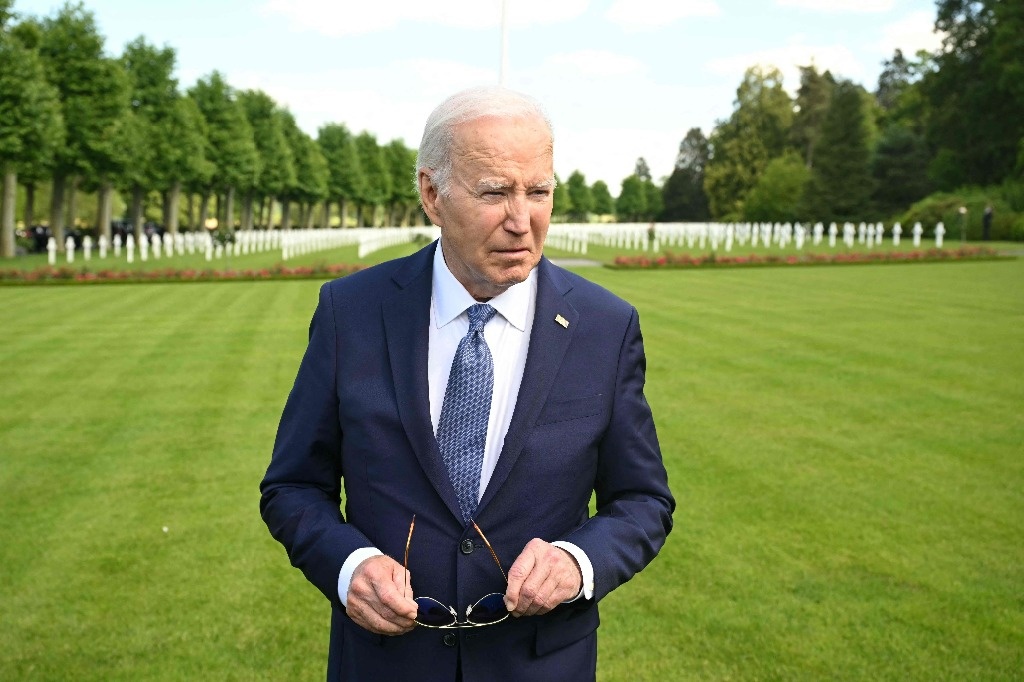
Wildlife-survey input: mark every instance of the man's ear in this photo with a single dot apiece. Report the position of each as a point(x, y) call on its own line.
point(428, 196)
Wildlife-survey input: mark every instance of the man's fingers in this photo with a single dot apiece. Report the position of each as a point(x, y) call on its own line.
point(379, 597)
point(520, 570)
point(541, 578)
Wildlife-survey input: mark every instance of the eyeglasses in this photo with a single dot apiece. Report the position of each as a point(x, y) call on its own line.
point(487, 610)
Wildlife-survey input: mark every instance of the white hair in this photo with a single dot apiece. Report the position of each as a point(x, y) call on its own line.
point(435, 152)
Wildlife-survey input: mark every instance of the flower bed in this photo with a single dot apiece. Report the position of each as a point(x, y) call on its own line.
point(670, 260)
point(70, 275)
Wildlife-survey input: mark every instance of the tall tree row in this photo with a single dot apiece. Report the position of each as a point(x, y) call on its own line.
point(938, 121)
point(73, 120)
point(31, 122)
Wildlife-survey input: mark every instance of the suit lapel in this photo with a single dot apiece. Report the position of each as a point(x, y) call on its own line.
point(406, 316)
point(549, 341)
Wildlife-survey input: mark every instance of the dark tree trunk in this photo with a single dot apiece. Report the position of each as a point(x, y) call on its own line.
point(135, 214)
point(229, 209)
point(72, 214)
point(286, 215)
point(7, 213)
point(171, 210)
point(104, 208)
point(30, 204)
point(204, 210)
point(190, 209)
point(247, 220)
point(57, 209)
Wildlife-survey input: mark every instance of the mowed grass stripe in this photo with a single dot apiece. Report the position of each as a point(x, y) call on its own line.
point(865, 460)
point(844, 443)
point(176, 439)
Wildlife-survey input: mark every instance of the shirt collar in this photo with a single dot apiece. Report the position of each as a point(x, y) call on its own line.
point(451, 298)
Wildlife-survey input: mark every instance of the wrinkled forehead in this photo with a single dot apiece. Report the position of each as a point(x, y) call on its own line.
point(503, 147)
point(503, 134)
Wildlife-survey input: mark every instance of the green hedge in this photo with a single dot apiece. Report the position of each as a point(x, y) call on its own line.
point(1007, 203)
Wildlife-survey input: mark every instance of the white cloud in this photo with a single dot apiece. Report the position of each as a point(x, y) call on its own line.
point(838, 59)
point(601, 63)
point(615, 157)
point(649, 14)
point(335, 19)
point(861, 6)
point(354, 96)
point(911, 33)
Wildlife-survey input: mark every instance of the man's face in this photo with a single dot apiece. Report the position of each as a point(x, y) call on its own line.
point(495, 218)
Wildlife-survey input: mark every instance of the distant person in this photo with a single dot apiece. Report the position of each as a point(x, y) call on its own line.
point(986, 223)
point(40, 235)
point(470, 399)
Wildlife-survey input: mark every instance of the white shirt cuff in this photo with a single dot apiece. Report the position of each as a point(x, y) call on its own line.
point(586, 569)
point(349, 567)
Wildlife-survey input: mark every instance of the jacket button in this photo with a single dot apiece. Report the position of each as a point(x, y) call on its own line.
point(449, 639)
point(467, 546)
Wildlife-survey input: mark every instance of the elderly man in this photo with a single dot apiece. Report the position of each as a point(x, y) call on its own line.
point(470, 398)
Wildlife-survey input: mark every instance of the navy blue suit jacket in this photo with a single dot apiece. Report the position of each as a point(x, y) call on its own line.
point(357, 427)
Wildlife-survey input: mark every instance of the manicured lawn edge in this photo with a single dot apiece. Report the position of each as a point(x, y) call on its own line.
point(70, 275)
point(674, 261)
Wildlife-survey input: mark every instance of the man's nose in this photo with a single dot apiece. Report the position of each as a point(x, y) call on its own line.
point(517, 217)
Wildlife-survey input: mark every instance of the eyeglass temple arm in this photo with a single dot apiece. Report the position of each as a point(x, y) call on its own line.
point(408, 541)
point(487, 542)
point(490, 549)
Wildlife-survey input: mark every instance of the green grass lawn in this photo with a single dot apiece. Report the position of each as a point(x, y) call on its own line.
point(845, 445)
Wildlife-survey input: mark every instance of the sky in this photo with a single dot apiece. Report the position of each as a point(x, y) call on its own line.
point(620, 79)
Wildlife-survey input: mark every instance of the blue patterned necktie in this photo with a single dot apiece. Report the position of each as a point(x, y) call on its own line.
point(462, 428)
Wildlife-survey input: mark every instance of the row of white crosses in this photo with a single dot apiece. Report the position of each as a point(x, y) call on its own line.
point(655, 237)
point(291, 243)
point(368, 239)
point(572, 237)
point(157, 246)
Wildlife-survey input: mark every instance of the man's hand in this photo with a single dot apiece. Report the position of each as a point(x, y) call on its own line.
point(379, 597)
point(541, 578)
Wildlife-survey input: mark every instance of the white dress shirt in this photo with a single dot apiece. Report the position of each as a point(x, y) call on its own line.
point(508, 337)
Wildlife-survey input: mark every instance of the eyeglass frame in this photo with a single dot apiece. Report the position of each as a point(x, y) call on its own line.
point(457, 623)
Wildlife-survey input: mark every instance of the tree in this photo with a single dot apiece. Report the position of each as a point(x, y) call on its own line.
point(812, 102)
point(561, 203)
point(896, 76)
point(275, 171)
point(580, 197)
point(642, 170)
point(184, 163)
point(93, 92)
point(310, 184)
point(778, 194)
point(976, 92)
point(198, 167)
point(401, 162)
point(230, 144)
point(683, 196)
point(603, 202)
point(756, 132)
point(632, 202)
point(31, 127)
point(841, 183)
point(346, 173)
point(900, 170)
point(377, 188)
point(149, 139)
point(653, 203)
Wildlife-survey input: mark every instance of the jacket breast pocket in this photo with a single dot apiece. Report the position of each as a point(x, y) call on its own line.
point(567, 410)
